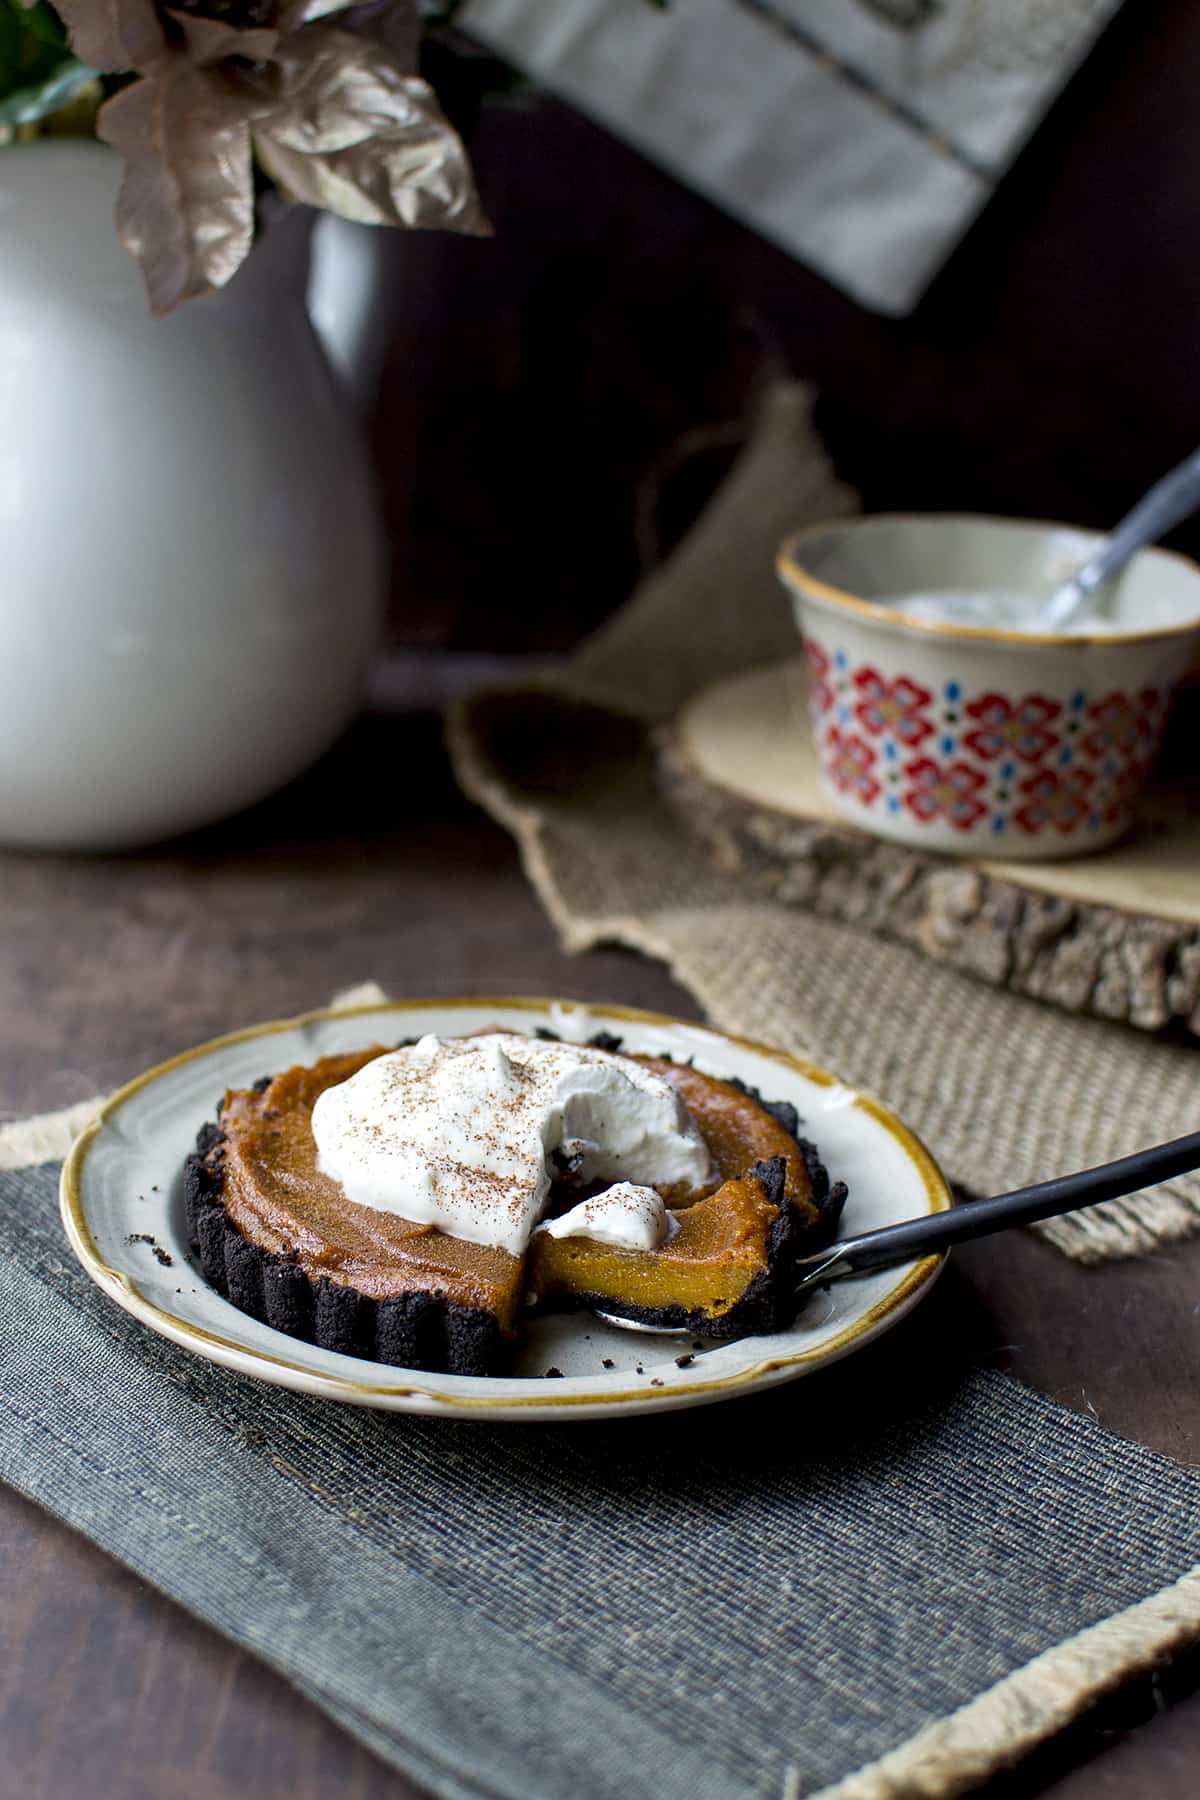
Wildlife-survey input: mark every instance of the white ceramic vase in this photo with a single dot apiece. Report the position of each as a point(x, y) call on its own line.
point(191, 560)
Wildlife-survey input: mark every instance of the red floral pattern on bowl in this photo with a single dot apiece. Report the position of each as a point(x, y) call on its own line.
point(820, 692)
point(1008, 766)
point(1055, 802)
point(1123, 723)
point(947, 791)
point(895, 706)
point(1004, 729)
point(849, 764)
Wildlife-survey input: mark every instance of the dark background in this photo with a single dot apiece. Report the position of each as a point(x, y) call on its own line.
point(543, 388)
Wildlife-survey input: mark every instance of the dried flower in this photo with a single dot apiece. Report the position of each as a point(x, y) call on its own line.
point(325, 94)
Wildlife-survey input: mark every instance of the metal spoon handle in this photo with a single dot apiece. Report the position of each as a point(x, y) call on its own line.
point(1166, 503)
point(978, 1218)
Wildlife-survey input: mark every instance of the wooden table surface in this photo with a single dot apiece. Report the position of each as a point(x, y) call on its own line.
point(374, 867)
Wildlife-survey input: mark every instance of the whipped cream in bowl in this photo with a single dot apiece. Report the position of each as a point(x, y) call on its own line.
point(469, 1134)
point(999, 609)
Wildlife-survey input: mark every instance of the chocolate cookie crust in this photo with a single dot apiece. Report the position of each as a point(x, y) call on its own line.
point(412, 1330)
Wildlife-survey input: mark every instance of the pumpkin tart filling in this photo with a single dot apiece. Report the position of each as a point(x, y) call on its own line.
point(282, 1238)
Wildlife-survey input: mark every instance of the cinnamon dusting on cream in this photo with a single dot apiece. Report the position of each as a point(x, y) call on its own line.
point(466, 1133)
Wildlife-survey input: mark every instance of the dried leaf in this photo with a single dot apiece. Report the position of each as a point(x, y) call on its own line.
point(395, 25)
point(344, 128)
point(114, 34)
point(209, 41)
point(336, 112)
point(186, 206)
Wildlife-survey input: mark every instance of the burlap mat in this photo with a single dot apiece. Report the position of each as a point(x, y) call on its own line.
point(1005, 1090)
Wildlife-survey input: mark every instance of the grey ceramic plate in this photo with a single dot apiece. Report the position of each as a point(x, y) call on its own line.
point(122, 1182)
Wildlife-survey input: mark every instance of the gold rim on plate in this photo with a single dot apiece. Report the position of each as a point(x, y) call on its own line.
point(234, 1354)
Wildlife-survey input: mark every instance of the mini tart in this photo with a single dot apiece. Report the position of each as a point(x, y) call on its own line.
point(282, 1241)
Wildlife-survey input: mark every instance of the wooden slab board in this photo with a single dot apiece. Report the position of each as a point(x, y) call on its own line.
point(1116, 934)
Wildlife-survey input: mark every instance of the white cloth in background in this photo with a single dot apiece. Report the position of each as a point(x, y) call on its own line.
point(862, 136)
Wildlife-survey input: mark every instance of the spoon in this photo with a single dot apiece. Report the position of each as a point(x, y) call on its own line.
point(893, 1244)
point(1170, 499)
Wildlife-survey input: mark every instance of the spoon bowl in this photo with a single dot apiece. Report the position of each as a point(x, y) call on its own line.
point(1166, 504)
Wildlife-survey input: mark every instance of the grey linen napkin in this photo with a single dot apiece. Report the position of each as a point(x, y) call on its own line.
point(750, 1601)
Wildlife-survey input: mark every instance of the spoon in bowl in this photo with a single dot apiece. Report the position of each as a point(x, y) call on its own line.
point(936, 1232)
point(1170, 499)
point(1074, 601)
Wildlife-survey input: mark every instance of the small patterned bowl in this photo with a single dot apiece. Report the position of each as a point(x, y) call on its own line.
point(973, 739)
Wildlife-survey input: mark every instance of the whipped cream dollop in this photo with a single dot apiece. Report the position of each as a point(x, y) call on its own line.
point(999, 609)
point(628, 1215)
point(468, 1133)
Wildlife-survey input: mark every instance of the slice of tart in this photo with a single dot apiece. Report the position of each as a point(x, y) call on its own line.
point(282, 1241)
point(725, 1263)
